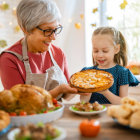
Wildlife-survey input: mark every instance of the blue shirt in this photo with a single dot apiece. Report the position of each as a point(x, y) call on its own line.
point(122, 76)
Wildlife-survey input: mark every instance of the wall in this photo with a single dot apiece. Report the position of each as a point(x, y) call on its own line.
point(71, 40)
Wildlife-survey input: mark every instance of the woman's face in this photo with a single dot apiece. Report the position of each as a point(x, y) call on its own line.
point(37, 41)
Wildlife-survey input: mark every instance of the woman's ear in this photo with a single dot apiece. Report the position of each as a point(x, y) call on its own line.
point(25, 32)
point(117, 48)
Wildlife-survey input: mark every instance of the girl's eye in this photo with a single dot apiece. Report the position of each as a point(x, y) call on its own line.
point(105, 51)
point(95, 51)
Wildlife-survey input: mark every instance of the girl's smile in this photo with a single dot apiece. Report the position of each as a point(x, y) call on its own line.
point(103, 51)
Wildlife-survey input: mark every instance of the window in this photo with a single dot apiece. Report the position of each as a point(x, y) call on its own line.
point(125, 18)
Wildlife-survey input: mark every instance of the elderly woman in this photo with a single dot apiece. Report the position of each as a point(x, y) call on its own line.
point(34, 59)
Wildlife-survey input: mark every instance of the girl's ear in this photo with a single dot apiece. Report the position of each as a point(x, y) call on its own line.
point(117, 48)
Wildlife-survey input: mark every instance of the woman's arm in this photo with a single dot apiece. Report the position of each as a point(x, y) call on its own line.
point(9, 71)
point(114, 99)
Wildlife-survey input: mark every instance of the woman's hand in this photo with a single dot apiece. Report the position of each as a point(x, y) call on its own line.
point(65, 88)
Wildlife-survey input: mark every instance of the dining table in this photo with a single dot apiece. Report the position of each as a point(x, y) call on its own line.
point(109, 129)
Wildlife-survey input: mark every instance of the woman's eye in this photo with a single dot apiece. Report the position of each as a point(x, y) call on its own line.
point(48, 30)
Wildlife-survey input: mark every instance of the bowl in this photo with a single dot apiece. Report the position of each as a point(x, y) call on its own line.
point(44, 117)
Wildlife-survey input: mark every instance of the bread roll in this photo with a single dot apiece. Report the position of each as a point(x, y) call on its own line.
point(4, 119)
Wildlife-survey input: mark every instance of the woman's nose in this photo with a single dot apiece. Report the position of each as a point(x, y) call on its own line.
point(53, 36)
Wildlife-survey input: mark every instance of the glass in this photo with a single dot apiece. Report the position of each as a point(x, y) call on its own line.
point(49, 32)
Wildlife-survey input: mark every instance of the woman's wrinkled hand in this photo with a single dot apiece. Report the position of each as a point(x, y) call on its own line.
point(65, 88)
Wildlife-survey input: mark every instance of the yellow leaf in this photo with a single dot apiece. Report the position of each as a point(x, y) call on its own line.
point(109, 18)
point(93, 25)
point(78, 25)
point(4, 6)
point(82, 16)
point(17, 28)
point(95, 10)
point(125, 2)
point(14, 11)
point(122, 6)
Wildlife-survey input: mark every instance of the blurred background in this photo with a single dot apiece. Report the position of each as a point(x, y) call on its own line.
point(79, 19)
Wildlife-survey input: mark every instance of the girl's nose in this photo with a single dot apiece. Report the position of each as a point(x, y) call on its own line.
point(100, 54)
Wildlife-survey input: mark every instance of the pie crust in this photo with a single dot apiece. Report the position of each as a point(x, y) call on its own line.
point(91, 80)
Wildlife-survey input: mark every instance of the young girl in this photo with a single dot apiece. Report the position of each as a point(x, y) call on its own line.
point(110, 54)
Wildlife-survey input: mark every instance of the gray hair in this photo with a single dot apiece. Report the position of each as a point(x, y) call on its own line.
point(32, 13)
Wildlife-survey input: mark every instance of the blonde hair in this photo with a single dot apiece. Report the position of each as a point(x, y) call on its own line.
point(118, 39)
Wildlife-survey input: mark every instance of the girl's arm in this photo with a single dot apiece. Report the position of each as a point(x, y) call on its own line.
point(114, 99)
point(85, 98)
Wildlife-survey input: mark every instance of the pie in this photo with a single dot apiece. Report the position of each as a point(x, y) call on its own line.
point(91, 80)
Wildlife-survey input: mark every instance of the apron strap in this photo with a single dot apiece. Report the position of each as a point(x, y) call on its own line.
point(25, 56)
point(14, 53)
point(54, 62)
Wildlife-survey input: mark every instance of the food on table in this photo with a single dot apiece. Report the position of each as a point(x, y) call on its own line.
point(91, 80)
point(87, 107)
point(134, 68)
point(25, 99)
point(89, 128)
point(37, 132)
point(4, 119)
point(128, 113)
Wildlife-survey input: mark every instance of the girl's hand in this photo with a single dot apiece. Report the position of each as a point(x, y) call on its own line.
point(104, 91)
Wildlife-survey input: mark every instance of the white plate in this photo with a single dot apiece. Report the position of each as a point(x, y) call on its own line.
point(11, 134)
point(87, 113)
point(44, 117)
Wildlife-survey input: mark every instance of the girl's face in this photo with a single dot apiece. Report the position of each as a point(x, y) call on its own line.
point(104, 51)
point(36, 40)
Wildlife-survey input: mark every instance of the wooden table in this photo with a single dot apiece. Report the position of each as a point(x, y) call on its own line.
point(109, 130)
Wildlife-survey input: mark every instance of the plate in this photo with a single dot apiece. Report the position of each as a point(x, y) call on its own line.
point(44, 117)
point(11, 134)
point(88, 113)
point(5, 130)
point(126, 126)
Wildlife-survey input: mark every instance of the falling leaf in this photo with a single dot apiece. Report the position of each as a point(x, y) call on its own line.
point(3, 43)
point(93, 25)
point(125, 2)
point(95, 10)
point(16, 28)
point(82, 16)
point(109, 18)
point(4, 6)
point(78, 25)
point(14, 11)
point(123, 5)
